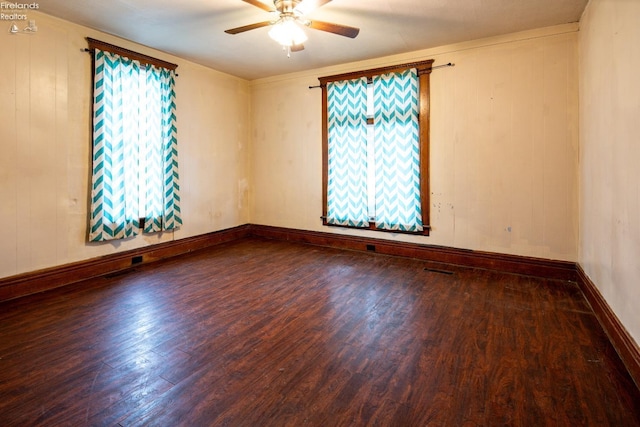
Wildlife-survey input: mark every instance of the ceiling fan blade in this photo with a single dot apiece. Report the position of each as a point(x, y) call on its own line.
point(297, 47)
point(307, 6)
point(258, 3)
point(247, 27)
point(342, 30)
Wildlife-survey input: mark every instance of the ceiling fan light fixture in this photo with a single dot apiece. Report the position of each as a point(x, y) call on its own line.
point(287, 33)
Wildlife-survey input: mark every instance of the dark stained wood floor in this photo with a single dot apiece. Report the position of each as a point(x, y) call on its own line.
point(268, 333)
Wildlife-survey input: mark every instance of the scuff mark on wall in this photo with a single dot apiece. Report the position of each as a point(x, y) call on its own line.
point(243, 193)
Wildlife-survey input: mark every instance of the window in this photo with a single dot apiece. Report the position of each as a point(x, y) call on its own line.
point(376, 148)
point(135, 180)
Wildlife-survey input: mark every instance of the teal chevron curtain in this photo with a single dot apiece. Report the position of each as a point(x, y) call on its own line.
point(162, 211)
point(397, 151)
point(135, 164)
point(347, 153)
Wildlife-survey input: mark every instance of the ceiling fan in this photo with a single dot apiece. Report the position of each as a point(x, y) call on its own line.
point(289, 17)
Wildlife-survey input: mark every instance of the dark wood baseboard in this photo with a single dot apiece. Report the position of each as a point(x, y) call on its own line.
point(538, 267)
point(50, 278)
point(620, 338)
point(54, 277)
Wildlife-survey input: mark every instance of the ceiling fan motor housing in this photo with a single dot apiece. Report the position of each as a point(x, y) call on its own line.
point(286, 6)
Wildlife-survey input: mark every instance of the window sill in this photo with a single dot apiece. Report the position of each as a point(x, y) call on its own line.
point(372, 227)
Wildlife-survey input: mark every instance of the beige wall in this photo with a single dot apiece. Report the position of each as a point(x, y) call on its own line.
point(45, 138)
point(504, 146)
point(610, 153)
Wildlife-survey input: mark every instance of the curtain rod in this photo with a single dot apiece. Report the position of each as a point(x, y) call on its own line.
point(449, 64)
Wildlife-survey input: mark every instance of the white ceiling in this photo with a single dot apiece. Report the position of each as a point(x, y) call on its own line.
point(194, 29)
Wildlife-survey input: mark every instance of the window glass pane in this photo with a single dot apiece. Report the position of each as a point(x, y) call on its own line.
point(371, 159)
point(370, 110)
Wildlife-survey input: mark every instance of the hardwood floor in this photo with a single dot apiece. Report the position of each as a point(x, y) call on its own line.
point(261, 333)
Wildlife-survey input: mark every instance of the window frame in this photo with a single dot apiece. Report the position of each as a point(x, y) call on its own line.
point(142, 58)
point(424, 70)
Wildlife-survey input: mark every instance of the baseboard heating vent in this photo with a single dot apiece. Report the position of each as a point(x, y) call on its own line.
point(371, 248)
point(118, 273)
point(136, 260)
point(435, 270)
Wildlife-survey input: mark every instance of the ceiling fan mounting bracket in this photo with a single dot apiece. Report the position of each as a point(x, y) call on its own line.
point(286, 6)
